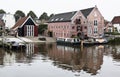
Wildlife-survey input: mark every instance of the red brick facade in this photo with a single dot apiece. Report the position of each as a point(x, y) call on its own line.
point(88, 22)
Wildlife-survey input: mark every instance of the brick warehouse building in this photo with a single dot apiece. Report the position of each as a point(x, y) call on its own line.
point(87, 22)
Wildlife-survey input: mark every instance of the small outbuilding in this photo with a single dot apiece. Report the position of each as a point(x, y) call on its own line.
point(25, 26)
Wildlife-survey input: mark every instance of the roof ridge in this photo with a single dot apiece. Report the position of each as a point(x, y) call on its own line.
point(87, 11)
point(19, 22)
point(116, 20)
point(88, 8)
point(66, 16)
point(66, 12)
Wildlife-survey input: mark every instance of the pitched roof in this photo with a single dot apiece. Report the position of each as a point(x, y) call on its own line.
point(116, 20)
point(106, 22)
point(19, 22)
point(87, 11)
point(62, 17)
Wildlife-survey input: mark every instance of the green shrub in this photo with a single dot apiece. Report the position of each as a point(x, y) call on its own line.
point(115, 41)
point(112, 33)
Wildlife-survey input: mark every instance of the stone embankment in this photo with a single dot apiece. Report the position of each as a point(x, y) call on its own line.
point(47, 39)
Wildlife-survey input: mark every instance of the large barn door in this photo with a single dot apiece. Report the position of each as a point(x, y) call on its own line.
point(30, 30)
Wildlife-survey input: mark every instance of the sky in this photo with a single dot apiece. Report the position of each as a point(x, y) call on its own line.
point(108, 8)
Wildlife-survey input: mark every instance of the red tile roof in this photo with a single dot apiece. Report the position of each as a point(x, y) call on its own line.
point(19, 22)
point(116, 20)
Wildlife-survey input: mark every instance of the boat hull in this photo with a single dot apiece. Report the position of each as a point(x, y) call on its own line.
point(68, 43)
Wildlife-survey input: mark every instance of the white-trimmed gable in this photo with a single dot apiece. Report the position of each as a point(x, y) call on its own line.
point(27, 20)
point(77, 16)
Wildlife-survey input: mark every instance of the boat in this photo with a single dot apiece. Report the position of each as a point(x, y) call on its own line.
point(101, 41)
point(95, 41)
point(13, 43)
point(68, 41)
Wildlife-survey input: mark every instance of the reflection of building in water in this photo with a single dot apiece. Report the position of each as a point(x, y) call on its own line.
point(108, 50)
point(29, 49)
point(9, 58)
point(1, 56)
point(94, 59)
point(116, 52)
point(89, 60)
point(26, 56)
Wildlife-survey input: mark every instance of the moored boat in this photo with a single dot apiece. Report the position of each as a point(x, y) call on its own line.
point(13, 43)
point(95, 41)
point(68, 41)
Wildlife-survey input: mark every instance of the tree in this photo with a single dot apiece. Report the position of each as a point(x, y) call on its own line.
point(18, 14)
point(32, 14)
point(51, 16)
point(44, 16)
point(2, 11)
point(42, 28)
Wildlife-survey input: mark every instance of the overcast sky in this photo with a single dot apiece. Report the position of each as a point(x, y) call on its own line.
point(108, 8)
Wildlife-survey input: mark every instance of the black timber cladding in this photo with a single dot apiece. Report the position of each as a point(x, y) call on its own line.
point(21, 31)
point(66, 17)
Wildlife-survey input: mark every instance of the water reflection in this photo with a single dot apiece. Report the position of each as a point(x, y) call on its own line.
point(9, 58)
point(74, 59)
point(116, 53)
point(89, 60)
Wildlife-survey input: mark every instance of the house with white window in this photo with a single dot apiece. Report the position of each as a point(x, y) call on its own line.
point(116, 23)
point(108, 26)
point(87, 22)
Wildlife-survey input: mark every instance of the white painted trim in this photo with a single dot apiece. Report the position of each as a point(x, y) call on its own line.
point(26, 21)
point(30, 30)
point(74, 15)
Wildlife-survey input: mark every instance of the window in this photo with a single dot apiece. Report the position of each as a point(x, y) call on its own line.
point(67, 27)
point(64, 27)
point(89, 30)
point(95, 30)
point(61, 19)
point(0, 27)
point(73, 27)
point(85, 27)
point(95, 23)
point(78, 21)
point(52, 19)
point(56, 19)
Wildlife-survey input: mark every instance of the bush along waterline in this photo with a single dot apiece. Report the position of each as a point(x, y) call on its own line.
point(114, 41)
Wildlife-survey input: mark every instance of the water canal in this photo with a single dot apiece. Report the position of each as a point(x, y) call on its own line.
point(51, 60)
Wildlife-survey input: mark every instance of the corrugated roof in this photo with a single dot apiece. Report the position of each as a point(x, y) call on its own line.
point(62, 17)
point(116, 20)
point(19, 22)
